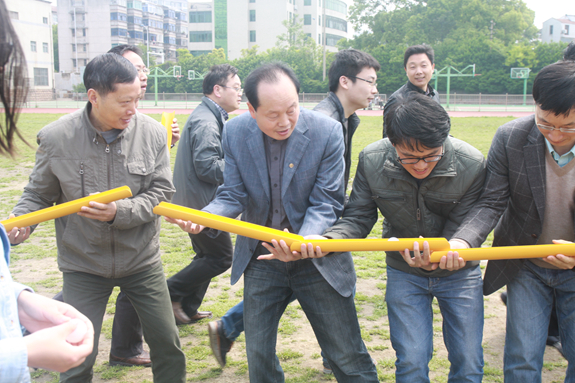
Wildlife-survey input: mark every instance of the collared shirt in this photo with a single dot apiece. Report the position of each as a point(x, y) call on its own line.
point(225, 115)
point(275, 155)
point(13, 352)
point(561, 160)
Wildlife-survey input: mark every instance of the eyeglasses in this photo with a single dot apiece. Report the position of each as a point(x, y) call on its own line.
point(143, 70)
point(426, 159)
point(5, 52)
point(551, 128)
point(238, 90)
point(371, 82)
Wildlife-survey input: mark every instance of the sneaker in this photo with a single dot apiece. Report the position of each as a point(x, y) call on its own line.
point(218, 341)
point(327, 368)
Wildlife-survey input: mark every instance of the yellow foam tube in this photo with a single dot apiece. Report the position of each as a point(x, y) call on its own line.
point(383, 244)
point(231, 225)
point(66, 208)
point(509, 252)
point(167, 121)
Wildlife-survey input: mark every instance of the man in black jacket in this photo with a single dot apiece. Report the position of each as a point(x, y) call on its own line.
point(198, 172)
point(418, 62)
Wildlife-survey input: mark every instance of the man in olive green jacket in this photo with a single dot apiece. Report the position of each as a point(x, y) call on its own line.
point(423, 182)
point(105, 145)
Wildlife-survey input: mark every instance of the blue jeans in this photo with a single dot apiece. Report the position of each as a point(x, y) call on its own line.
point(529, 303)
point(233, 321)
point(268, 287)
point(460, 297)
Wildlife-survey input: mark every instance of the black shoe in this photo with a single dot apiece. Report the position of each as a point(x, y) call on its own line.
point(218, 341)
point(555, 341)
point(504, 297)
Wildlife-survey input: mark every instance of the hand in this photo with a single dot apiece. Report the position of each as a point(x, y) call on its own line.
point(175, 131)
point(187, 226)
point(18, 234)
point(282, 251)
point(559, 260)
point(105, 212)
point(50, 323)
point(307, 250)
point(452, 261)
point(419, 259)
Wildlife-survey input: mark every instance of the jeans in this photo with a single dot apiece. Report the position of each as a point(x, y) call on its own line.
point(149, 294)
point(529, 304)
point(268, 288)
point(409, 302)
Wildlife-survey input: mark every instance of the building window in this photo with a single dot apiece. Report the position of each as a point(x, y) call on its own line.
point(201, 17)
point(306, 2)
point(319, 39)
point(118, 16)
point(14, 15)
point(306, 19)
point(84, 32)
point(201, 36)
point(551, 29)
point(33, 46)
point(84, 47)
point(40, 76)
point(73, 47)
point(331, 40)
point(252, 15)
point(119, 32)
point(336, 5)
point(45, 47)
point(336, 23)
point(252, 36)
point(319, 20)
point(252, 1)
point(74, 63)
point(567, 29)
point(45, 20)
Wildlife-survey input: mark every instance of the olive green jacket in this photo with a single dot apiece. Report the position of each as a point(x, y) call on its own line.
point(434, 208)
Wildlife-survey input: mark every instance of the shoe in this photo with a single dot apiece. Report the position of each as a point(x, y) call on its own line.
point(504, 297)
point(554, 341)
point(179, 314)
point(327, 368)
point(142, 360)
point(201, 315)
point(218, 341)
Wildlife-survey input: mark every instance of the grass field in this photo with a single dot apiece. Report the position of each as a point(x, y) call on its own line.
point(34, 263)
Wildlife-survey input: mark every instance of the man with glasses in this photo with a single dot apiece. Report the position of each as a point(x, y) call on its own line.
point(418, 62)
point(423, 181)
point(198, 172)
point(528, 199)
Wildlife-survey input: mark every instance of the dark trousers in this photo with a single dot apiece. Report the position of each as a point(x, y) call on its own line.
point(213, 257)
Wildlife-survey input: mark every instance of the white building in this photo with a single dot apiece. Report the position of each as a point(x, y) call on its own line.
point(235, 25)
point(559, 29)
point(88, 28)
point(33, 25)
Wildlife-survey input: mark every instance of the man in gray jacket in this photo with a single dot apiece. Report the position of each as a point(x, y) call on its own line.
point(105, 145)
point(198, 172)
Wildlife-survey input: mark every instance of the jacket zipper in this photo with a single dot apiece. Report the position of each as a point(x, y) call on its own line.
point(112, 239)
point(82, 179)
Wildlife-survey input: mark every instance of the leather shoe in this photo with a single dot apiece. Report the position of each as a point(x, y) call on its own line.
point(201, 315)
point(219, 343)
point(183, 318)
point(142, 360)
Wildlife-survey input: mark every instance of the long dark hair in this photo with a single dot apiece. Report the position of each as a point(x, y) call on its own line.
point(13, 86)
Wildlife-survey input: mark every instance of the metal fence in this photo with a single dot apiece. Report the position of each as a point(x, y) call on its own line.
point(186, 101)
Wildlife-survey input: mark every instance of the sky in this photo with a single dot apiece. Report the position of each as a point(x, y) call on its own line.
point(544, 9)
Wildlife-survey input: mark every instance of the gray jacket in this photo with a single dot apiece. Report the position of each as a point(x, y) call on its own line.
point(434, 208)
point(513, 200)
point(199, 168)
point(72, 161)
point(331, 106)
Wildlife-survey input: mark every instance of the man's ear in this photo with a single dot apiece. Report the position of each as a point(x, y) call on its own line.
point(216, 91)
point(344, 82)
point(252, 110)
point(93, 97)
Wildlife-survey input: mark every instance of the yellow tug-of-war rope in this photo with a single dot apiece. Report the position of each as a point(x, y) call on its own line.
point(266, 234)
point(509, 252)
point(66, 208)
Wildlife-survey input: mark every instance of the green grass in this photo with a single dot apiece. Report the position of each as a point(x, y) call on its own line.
point(297, 349)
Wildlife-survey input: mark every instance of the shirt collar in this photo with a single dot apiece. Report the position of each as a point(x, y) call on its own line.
point(561, 160)
point(224, 114)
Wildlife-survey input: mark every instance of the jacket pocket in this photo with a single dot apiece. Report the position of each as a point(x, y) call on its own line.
point(140, 174)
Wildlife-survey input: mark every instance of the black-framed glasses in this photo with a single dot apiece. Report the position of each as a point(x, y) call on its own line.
point(5, 52)
point(371, 82)
point(426, 159)
point(551, 128)
point(237, 89)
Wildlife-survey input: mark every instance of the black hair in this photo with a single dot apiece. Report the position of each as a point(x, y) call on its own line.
point(103, 72)
point(417, 121)
point(554, 87)
point(569, 52)
point(348, 63)
point(121, 49)
point(218, 75)
point(418, 49)
point(268, 73)
point(13, 85)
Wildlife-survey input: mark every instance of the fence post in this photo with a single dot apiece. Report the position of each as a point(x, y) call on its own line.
point(506, 101)
point(164, 99)
point(480, 101)
point(186, 97)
